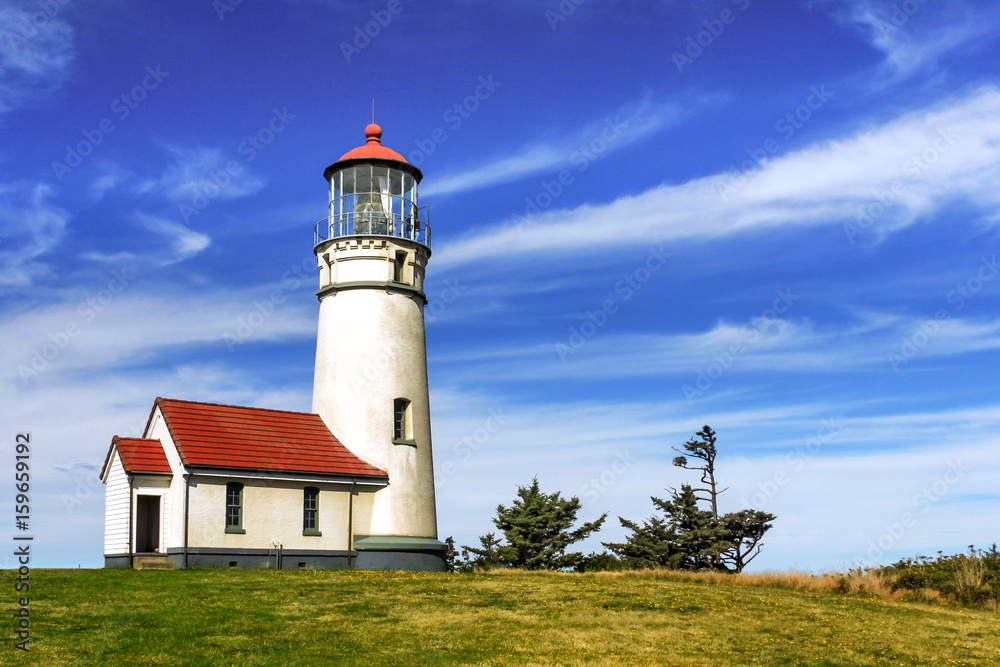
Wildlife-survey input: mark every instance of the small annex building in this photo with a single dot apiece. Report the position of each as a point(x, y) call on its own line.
point(349, 484)
point(227, 486)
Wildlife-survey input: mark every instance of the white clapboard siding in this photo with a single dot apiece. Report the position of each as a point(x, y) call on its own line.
point(116, 508)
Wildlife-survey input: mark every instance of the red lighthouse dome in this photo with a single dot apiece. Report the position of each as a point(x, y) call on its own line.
point(373, 147)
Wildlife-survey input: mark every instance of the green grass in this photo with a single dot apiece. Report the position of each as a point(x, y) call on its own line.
point(263, 617)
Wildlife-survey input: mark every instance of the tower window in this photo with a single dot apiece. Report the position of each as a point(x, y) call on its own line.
point(234, 508)
point(402, 429)
point(399, 268)
point(310, 511)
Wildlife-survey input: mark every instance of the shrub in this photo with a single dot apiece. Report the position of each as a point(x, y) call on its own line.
point(971, 578)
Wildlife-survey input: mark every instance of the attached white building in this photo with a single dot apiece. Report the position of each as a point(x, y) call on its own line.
point(228, 486)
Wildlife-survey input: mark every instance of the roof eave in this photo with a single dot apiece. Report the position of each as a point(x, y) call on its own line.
point(381, 161)
point(271, 473)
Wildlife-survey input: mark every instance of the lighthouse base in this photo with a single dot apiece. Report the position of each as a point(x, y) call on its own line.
point(397, 552)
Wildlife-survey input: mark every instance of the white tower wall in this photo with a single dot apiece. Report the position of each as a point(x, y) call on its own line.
point(370, 351)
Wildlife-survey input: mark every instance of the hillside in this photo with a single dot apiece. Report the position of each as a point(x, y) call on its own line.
point(264, 617)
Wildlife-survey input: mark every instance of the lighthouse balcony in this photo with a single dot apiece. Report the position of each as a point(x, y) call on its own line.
point(411, 226)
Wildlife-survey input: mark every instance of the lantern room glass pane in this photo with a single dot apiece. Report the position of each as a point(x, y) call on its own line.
point(396, 182)
point(362, 179)
point(374, 199)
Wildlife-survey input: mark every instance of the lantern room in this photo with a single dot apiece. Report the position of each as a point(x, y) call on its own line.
point(373, 192)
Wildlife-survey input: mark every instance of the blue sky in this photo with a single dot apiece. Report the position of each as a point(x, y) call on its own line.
point(779, 219)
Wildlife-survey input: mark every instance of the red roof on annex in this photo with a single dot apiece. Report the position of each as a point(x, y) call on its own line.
point(227, 436)
point(138, 455)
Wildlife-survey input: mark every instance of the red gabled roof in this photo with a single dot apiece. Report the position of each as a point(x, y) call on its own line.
point(227, 436)
point(138, 455)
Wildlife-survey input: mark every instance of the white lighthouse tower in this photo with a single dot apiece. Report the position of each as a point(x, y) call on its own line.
point(370, 385)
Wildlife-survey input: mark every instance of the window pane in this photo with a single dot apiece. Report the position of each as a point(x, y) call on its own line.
point(362, 179)
point(399, 419)
point(396, 182)
point(234, 504)
point(310, 508)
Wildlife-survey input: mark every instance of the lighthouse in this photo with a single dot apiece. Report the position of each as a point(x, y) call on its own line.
point(370, 383)
point(348, 485)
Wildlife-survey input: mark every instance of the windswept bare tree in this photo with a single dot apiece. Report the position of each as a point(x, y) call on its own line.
point(703, 450)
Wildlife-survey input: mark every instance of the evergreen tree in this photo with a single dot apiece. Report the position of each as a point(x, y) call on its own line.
point(704, 450)
point(486, 557)
point(651, 545)
point(744, 529)
point(688, 537)
point(450, 555)
point(537, 528)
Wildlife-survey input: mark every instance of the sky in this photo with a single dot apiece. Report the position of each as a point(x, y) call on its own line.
point(778, 219)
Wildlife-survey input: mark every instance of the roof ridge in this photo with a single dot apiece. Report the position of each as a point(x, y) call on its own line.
point(160, 399)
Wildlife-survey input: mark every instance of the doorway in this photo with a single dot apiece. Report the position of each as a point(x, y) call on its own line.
point(147, 524)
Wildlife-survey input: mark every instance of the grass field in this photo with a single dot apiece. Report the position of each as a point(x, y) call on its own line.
point(264, 617)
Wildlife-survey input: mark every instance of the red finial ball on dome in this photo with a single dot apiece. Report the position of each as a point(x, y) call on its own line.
point(373, 133)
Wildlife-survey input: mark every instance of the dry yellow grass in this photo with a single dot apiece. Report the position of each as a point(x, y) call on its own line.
point(862, 584)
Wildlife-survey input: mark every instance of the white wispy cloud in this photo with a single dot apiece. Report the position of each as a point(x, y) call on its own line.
point(110, 176)
point(201, 173)
point(35, 56)
point(182, 243)
point(914, 36)
point(31, 226)
point(123, 322)
point(917, 163)
point(780, 345)
point(625, 125)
